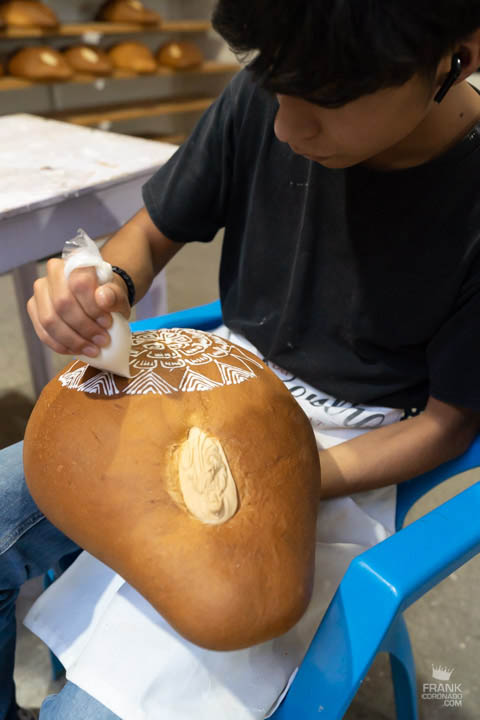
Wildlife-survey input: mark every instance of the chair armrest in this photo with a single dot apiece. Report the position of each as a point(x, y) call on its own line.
point(431, 548)
point(202, 317)
point(412, 490)
point(378, 585)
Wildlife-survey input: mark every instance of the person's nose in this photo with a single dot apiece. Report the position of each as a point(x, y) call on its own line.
point(295, 122)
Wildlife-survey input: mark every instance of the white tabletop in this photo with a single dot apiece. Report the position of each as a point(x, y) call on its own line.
point(54, 178)
point(43, 162)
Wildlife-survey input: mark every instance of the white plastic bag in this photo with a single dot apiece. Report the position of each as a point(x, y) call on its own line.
point(82, 252)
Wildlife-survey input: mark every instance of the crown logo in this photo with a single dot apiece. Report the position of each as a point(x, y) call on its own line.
point(442, 673)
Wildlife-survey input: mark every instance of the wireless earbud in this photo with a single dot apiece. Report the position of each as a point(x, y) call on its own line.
point(451, 78)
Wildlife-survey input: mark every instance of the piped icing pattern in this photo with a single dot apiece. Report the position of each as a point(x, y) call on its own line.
point(168, 361)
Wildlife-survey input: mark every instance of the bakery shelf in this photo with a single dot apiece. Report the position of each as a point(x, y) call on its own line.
point(171, 139)
point(117, 113)
point(209, 67)
point(105, 28)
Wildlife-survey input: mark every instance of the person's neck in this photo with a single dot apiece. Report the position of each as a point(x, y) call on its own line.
point(444, 126)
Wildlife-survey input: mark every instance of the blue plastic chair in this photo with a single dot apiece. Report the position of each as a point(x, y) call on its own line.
point(365, 615)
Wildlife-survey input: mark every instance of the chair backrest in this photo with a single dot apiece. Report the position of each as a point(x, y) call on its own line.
point(202, 317)
point(412, 490)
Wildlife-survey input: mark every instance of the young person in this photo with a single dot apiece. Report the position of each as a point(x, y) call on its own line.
point(343, 164)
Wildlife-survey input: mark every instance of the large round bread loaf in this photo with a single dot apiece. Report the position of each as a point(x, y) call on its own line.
point(27, 13)
point(197, 480)
point(180, 55)
point(39, 63)
point(88, 59)
point(128, 11)
point(133, 56)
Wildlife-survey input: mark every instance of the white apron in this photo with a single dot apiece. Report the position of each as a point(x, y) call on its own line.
point(117, 648)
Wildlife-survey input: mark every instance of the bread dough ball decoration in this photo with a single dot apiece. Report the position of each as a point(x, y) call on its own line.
point(206, 482)
point(171, 361)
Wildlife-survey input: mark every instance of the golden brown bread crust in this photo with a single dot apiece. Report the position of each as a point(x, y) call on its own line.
point(39, 63)
point(128, 11)
point(133, 56)
point(27, 13)
point(104, 470)
point(88, 59)
point(180, 55)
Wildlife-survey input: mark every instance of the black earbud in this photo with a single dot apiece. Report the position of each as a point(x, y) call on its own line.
point(451, 78)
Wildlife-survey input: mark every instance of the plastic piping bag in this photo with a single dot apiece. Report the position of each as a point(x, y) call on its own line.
point(82, 252)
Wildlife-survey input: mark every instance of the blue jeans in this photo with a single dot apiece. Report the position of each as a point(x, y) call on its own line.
point(29, 546)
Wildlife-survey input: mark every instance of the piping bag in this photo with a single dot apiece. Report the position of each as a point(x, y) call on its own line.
point(82, 252)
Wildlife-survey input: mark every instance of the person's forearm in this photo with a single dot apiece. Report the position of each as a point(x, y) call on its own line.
point(141, 250)
point(390, 455)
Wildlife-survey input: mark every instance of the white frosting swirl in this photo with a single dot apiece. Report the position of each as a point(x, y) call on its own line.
point(206, 482)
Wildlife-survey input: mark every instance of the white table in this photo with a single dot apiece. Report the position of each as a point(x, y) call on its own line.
point(54, 178)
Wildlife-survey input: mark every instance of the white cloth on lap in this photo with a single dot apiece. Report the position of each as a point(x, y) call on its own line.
point(120, 650)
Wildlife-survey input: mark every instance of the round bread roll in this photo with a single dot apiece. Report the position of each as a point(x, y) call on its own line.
point(197, 480)
point(128, 11)
point(27, 13)
point(180, 55)
point(39, 63)
point(133, 56)
point(88, 59)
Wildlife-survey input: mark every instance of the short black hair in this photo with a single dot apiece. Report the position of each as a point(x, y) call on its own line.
point(334, 51)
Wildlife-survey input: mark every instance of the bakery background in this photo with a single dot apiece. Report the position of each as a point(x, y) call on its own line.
point(166, 105)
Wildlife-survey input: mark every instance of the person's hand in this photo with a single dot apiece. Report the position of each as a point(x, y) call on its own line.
point(72, 317)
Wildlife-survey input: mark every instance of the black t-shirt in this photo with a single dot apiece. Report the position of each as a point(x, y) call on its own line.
point(365, 284)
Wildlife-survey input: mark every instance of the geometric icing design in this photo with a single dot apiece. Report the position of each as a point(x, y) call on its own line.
point(168, 361)
point(101, 384)
point(148, 382)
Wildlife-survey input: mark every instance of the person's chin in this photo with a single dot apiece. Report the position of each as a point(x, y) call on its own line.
point(334, 162)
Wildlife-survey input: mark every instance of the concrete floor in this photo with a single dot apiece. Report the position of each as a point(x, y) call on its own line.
point(443, 624)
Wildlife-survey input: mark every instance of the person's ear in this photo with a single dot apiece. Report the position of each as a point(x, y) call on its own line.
point(460, 65)
point(469, 52)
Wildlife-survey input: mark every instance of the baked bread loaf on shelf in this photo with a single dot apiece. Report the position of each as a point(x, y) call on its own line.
point(128, 11)
point(197, 479)
point(27, 13)
point(88, 59)
point(39, 63)
point(180, 55)
point(133, 56)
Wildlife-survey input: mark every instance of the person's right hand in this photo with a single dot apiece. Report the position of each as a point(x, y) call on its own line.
point(72, 317)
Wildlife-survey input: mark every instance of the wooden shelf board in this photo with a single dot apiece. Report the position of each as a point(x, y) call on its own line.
point(104, 28)
point(209, 67)
point(116, 113)
point(173, 139)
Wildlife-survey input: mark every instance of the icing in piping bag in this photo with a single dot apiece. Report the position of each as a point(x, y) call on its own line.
point(82, 252)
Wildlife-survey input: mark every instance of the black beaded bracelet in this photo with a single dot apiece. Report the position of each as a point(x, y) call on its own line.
point(128, 282)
